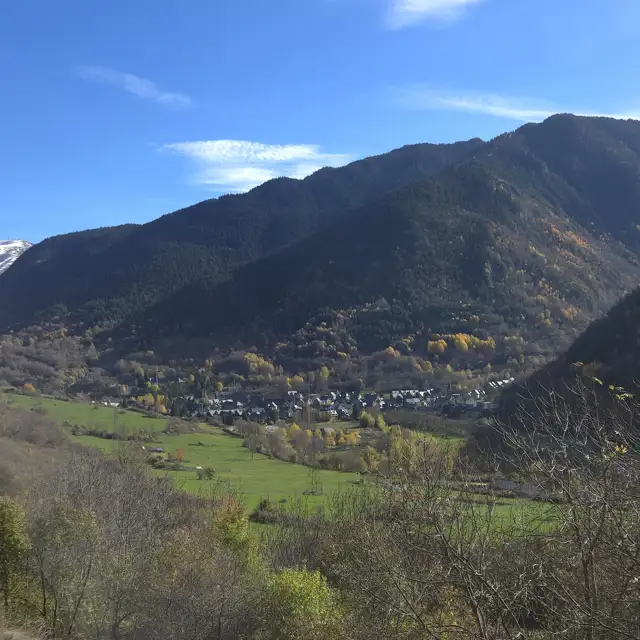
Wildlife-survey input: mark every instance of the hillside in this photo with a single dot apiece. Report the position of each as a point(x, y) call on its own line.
point(456, 253)
point(108, 274)
point(10, 251)
point(525, 238)
point(608, 350)
point(586, 167)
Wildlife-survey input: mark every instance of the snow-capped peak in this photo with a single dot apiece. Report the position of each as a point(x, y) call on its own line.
point(10, 251)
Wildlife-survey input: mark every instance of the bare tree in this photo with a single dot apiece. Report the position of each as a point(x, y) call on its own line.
point(579, 447)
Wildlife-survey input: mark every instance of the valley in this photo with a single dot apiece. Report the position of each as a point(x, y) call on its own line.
point(409, 381)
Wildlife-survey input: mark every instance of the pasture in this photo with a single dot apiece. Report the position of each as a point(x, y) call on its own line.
point(89, 415)
point(253, 475)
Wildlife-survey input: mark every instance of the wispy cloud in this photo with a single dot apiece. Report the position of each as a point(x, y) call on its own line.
point(140, 87)
point(511, 108)
point(407, 12)
point(238, 165)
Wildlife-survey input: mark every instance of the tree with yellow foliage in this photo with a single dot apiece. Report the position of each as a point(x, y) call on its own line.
point(292, 430)
point(352, 438)
point(437, 346)
point(461, 342)
point(372, 459)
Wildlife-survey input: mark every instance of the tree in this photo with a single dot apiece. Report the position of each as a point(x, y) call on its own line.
point(297, 604)
point(231, 526)
point(292, 430)
point(352, 438)
point(367, 421)
point(13, 545)
point(371, 459)
point(578, 448)
point(437, 346)
point(65, 550)
point(380, 423)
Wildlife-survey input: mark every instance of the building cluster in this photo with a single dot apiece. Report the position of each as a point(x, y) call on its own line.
point(337, 405)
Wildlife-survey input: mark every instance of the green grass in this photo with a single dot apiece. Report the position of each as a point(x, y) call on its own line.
point(254, 476)
point(87, 415)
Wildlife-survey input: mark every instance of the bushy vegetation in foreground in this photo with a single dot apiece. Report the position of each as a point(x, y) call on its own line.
point(100, 548)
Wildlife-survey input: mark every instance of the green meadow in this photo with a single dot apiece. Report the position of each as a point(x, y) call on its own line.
point(254, 476)
point(88, 415)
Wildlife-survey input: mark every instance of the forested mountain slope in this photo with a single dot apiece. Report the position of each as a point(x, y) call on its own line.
point(108, 274)
point(531, 235)
point(461, 252)
point(605, 355)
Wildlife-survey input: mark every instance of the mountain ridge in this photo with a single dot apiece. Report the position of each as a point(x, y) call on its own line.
point(517, 229)
point(268, 217)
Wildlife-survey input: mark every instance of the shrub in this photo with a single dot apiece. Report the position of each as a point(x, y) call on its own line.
point(367, 421)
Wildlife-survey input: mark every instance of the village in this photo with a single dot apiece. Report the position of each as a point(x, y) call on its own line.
point(230, 405)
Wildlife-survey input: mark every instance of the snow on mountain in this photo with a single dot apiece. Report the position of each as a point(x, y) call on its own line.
point(10, 251)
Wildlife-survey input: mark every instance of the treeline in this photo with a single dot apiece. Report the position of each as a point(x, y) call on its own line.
point(334, 448)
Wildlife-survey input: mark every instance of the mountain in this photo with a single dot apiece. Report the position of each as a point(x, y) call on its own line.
point(587, 382)
point(461, 252)
point(524, 239)
point(609, 350)
point(10, 251)
point(112, 273)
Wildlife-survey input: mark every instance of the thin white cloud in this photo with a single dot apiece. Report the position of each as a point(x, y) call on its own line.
point(510, 108)
point(239, 165)
point(140, 87)
point(407, 12)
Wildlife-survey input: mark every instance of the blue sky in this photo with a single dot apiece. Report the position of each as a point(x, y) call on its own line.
point(124, 110)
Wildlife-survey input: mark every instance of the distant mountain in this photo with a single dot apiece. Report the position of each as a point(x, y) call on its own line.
point(460, 252)
point(111, 273)
point(527, 237)
point(10, 251)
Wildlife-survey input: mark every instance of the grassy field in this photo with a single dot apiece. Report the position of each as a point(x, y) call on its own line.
point(255, 476)
point(98, 416)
